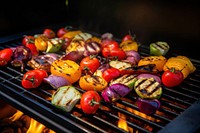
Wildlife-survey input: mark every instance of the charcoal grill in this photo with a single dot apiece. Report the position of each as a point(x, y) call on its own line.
point(180, 110)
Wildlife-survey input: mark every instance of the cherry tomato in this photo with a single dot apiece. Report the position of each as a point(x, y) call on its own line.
point(127, 37)
point(90, 102)
point(61, 31)
point(120, 54)
point(110, 73)
point(49, 33)
point(89, 64)
point(110, 44)
point(172, 77)
point(28, 39)
point(33, 78)
point(5, 56)
point(33, 49)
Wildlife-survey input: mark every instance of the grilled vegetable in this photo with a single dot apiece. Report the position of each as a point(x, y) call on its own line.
point(43, 61)
point(71, 34)
point(111, 73)
point(56, 81)
point(172, 77)
point(5, 56)
point(159, 62)
point(76, 45)
point(73, 55)
point(127, 79)
point(159, 48)
point(66, 68)
point(188, 62)
point(92, 82)
point(148, 88)
point(33, 78)
point(90, 102)
point(120, 65)
point(54, 45)
point(145, 75)
point(41, 42)
point(139, 69)
point(83, 36)
point(178, 64)
point(133, 57)
point(107, 36)
point(114, 92)
point(148, 106)
point(21, 55)
point(92, 48)
point(89, 64)
point(129, 45)
point(66, 97)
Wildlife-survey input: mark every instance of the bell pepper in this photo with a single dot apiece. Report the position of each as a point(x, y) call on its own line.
point(188, 61)
point(69, 69)
point(71, 34)
point(159, 62)
point(159, 48)
point(127, 79)
point(65, 98)
point(178, 64)
point(92, 82)
point(148, 88)
point(54, 45)
point(129, 45)
point(41, 42)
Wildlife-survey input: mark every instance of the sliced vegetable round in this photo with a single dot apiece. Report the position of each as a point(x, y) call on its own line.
point(148, 88)
point(66, 97)
point(66, 68)
point(92, 82)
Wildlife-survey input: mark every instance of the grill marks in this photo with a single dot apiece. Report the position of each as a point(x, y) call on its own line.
point(148, 87)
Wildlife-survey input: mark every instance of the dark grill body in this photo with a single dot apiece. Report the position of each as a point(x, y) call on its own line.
point(180, 106)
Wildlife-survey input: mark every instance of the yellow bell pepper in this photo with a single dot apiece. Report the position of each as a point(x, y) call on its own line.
point(92, 82)
point(129, 45)
point(71, 34)
point(41, 42)
point(68, 69)
point(159, 62)
point(178, 64)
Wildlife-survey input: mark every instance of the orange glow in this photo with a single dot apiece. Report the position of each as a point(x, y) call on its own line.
point(16, 116)
point(35, 127)
point(123, 124)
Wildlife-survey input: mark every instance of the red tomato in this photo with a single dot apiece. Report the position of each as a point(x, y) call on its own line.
point(172, 77)
point(110, 44)
point(89, 64)
point(28, 39)
point(110, 73)
point(90, 102)
point(33, 49)
point(5, 56)
point(33, 78)
point(49, 33)
point(61, 31)
point(120, 54)
point(127, 37)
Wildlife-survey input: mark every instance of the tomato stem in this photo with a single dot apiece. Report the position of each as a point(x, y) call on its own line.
point(93, 102)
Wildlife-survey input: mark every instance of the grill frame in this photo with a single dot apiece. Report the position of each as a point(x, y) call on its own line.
point(47, 114)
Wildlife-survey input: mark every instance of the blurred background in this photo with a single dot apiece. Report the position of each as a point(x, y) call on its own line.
point(176, 22)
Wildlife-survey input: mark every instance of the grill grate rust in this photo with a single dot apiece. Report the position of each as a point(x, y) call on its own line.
point(36, 103)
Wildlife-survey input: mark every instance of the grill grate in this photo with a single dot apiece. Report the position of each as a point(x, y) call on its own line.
point(36, 103)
